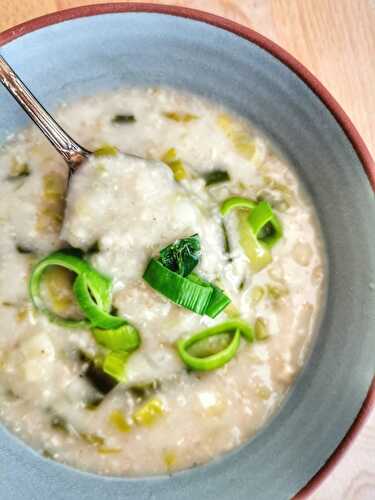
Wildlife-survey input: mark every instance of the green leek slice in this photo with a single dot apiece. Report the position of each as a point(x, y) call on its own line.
point(258, 231)
point(171, 275)
point(211, 345)
point(236, 202)
point(180, 290)
point(123, 119)
point(149, 413)
point(114, 365)
point(261, 329)
point(100, 286)
point(216, 177)
point(124, 338)
point(236, 328)
point(218, 301)
point(106, 150)
point(257, 253)
point(95, 375)
point(180, 117)
point(86, 298)
point(175, 164)
point(265, 224)
point(213, 361)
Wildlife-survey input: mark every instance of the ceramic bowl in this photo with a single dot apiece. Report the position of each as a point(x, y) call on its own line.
point(81, 51)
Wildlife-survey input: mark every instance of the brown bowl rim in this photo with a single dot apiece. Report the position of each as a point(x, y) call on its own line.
point(315, 85)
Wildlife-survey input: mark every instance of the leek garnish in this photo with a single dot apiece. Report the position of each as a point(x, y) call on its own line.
point(114, 365)
point(171, 276)
point(192, 359)
point(123, 119)
point(106, 150)
point(216, 177)
point(92, 292)
point(99, 285)
point(175, 164)
point(265, 225)
point(180, 117)
point(259, 229)
point(182, 256)
point(124, 338)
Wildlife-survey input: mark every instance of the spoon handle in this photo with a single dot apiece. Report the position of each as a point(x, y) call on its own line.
point(72, 152)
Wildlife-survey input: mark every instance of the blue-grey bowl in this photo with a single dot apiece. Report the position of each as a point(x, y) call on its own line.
point(80, 51)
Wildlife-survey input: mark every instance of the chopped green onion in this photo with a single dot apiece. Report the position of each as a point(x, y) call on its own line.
point(176, 165)
point(259, 231)
point(180, 290)
point(106, 150)
point(59, 423)
point(124, 338)
point(23, 250)
point(171, 276)
point(227, 248)
point(142, 391)
point(114, 365)
point(19, 171)
point(93, 249)
point(260, 329)
point(218, 300)
point(182, 256)
point(178, 169)
point(257, 294)
point(93, 294)
point(122, 119)
point(232, 311)
point(101, 381)
point(258, 255)
point(265, 224)
point(180, 117)
point(117, 420)
point(216, 177)
point(105, 450)
point(276, 292)
point(148, 413)
point(234, 327)
point(169, 156)
point(93, 403)
point(236, 202)
point(100, 286)
point(170, 460)
point(211, 345)
point(86, 298)
point(93, 439)
point(211, 362)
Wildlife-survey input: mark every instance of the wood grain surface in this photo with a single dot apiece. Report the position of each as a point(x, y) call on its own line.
point(335, 39)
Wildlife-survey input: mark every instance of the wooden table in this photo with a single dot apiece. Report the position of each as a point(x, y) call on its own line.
point(335, 39)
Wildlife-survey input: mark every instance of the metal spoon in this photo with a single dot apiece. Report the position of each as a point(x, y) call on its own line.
point(71, 151)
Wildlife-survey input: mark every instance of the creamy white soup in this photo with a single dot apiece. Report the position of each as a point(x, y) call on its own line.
point(201, 227)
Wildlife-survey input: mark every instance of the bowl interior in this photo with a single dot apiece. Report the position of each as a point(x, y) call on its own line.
point(81, 56)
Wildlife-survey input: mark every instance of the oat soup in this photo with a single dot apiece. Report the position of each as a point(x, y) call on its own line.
point(155, 315)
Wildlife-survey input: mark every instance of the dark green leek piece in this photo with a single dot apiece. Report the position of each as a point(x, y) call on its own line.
point(182, 256)
point(216, 177)
point(123, 119)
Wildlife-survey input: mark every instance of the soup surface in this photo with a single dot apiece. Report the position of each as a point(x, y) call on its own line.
point(153, 411)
